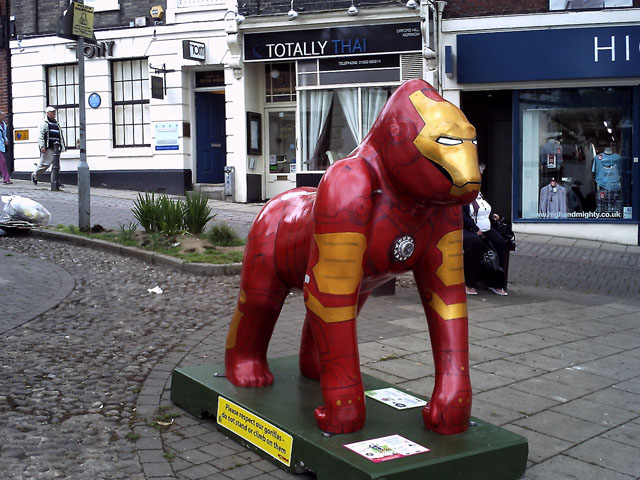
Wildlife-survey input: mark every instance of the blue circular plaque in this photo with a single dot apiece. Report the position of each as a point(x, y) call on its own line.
point(94, 100)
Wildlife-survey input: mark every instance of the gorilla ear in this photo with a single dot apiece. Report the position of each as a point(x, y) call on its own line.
point(397, 130)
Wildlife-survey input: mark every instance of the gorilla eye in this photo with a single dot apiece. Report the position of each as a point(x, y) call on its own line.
point(448, 141)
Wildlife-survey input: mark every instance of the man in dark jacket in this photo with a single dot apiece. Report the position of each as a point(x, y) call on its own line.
point(49, 137)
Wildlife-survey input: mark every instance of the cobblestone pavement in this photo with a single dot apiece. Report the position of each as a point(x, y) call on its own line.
point(85, 382)
point(72, 377)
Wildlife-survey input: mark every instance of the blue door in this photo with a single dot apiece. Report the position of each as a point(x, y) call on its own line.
point(211, 143)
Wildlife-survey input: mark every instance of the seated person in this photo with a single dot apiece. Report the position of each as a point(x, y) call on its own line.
point(477, 218)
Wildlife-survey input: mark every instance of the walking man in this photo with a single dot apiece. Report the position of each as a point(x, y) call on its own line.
point(49, 138)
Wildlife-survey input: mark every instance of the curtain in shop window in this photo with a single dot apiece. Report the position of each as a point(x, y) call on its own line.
point(349, 102)
point(373, 99)
point(317, 104)
point(531, 125)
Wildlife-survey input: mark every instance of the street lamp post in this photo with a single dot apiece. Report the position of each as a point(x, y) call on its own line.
point(84, 182)
point(76, 27)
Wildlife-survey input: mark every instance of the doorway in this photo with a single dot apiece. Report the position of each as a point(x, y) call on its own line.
point(490, 113)
point(211, 140)
point(281, 150)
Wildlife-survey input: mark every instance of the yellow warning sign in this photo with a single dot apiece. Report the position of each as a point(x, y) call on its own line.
point(82, 20)
point(21, 135)
point(259, 432)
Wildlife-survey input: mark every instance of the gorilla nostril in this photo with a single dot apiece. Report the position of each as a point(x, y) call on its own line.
point(443, 171)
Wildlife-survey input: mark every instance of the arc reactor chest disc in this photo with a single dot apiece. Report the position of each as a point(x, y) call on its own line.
point(403, 248)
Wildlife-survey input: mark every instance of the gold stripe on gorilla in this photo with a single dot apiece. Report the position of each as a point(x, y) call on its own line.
point(447, 312)
point(233, 329)
point(339, 267)
point(330, 314)
point(235, 321)
point(451, 271)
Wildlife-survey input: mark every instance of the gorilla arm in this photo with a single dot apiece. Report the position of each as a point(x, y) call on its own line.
point(331, 291)
point(440, 280)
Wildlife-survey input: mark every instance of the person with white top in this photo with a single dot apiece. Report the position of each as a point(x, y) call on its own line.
point(477, 218)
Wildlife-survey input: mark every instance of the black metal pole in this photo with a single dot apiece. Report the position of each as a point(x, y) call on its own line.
point(55, 168)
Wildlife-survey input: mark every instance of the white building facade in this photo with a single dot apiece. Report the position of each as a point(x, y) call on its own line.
point(203, 97)
point(151, 92)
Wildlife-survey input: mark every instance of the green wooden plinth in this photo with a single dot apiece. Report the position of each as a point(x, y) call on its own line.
point(485, 451)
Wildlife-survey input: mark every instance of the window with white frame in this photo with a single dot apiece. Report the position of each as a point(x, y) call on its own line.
point(280, 82)
point(131, 117)
point(103, 5)
point(62, 93)
point(198, 3)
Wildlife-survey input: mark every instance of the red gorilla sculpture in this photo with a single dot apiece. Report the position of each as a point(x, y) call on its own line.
point(392, 206)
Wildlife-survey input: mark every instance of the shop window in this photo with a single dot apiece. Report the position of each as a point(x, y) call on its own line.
point(576, 154)
point(280, 82)
point(334, 122)
point(130, 87)
point(62, 93)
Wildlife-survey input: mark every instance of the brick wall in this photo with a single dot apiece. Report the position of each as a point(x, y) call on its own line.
point(40, 17)
point(270, 7)
point(454, 8)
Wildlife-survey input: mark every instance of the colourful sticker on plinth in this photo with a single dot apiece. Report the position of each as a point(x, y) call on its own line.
point(255, 430)
point(395, 398)
point(386, 448)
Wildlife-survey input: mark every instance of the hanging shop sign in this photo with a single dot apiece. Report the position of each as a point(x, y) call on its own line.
point(192, 50)
point(560, 54)
point(333, 42)
point(157, 87)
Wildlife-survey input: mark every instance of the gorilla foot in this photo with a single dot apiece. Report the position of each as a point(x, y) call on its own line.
point(246, 371)
point(448, 415)
point(341, 419)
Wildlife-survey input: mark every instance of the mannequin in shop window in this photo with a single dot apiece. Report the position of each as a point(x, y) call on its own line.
point(550, 160)
point(606, 170)
point(553, 200)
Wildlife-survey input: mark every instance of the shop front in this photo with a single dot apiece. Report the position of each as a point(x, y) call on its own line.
point(572, 114)
point(321, 89)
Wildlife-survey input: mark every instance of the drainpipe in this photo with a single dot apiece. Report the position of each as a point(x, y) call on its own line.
point(438, 29)
point(431, 53)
